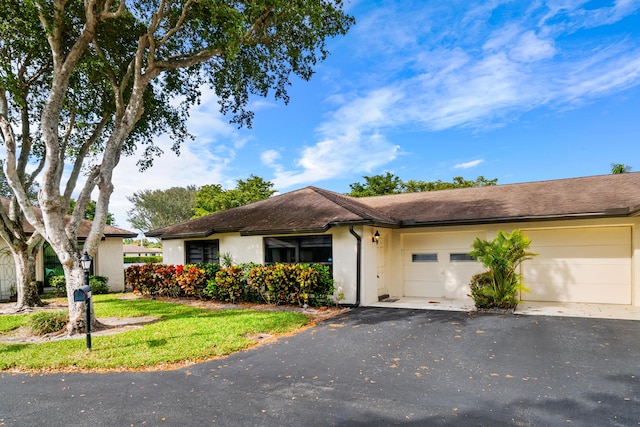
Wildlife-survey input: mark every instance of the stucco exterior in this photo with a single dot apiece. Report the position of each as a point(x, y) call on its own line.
point(417, 244)
point(107, 262)
point(386, 268)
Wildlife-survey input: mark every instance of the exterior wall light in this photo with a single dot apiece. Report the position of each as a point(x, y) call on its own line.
point(376, 237)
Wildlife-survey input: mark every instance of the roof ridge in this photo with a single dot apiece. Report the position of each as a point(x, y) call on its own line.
point(353, 205)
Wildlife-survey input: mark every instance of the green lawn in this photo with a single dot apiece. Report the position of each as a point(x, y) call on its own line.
point(183, 333)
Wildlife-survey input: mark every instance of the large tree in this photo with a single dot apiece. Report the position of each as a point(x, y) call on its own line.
point(380, 185)
point(159, 208)
point(213, 198)
point(86, 113)
point(136, 56)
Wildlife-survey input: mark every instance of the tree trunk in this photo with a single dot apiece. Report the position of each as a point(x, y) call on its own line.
point(25, 261)
point(75, 279)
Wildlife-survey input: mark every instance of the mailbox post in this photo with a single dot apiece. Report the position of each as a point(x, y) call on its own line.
point(86, 265)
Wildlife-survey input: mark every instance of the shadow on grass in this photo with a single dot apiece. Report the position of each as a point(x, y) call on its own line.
point(13, 348)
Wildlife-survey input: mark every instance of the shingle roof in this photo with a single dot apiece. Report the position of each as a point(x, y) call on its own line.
point(309, 209)
point(312, 209)
point(604, 195)
point(83, 229)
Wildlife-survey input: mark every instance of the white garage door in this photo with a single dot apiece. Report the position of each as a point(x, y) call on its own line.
point(436, 265)
point(590, 265)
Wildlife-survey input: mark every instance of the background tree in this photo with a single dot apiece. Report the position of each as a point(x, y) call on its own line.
point(113, 63)
point(213, 198)
point(379, 185)
point(90, 212)
point(376, 185)
point(159, 208)
point(617, 168)
point(147, 243)
point(23, 69)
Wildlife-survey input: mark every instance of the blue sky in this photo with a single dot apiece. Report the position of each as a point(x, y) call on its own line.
point(515, 90)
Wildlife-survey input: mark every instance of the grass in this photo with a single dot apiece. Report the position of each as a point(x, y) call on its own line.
point(182, 334)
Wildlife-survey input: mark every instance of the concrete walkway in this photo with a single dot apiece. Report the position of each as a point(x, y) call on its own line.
point(598, 311)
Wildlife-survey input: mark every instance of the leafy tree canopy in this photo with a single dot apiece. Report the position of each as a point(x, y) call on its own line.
point(90, 212)
point(146, 243)
point(97, 77)
point(213, 198)
point(617, 168)
point(379, 185)
point(159, 208)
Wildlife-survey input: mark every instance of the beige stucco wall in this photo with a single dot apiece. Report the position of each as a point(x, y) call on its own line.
point(173, 251)
point(382, 269)
point(109, 262)
point(242, 248)
point(251, 249)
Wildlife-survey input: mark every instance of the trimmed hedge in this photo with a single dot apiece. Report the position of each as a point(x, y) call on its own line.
point(98, 284)
point(142, 259)
point(298, 284)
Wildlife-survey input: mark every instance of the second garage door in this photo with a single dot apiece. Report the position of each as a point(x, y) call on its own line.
point(589, 265)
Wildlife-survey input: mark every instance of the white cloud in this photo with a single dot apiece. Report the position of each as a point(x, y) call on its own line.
point(531, 48)
point(475, 74)
point(468, 165)
point(270, 157)
point(348, 141)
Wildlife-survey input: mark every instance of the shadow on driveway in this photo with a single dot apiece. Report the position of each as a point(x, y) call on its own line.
point(367, 367)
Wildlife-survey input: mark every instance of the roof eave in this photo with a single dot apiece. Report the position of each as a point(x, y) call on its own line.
point(285, 231)
point(617, 213)
point(170, 236)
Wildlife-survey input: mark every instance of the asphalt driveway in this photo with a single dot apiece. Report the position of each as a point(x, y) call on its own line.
point(370, 366)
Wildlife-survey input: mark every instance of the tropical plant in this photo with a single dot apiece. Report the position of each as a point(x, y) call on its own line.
point(500, 285)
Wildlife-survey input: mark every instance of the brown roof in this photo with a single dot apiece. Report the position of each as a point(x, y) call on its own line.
point(312, 209)
point(83, 229)
point(605, 195)
point(309, 209)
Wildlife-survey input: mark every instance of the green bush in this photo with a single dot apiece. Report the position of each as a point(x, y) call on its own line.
point(500, 285)
point(47, 322)
point(300, 284)
point(170, 280)
point(142, 259)
point(479, 284)
point(99, 285)
point(59, 285)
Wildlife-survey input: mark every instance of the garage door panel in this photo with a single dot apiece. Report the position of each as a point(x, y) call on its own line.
point(603, 274)
point(579, 236)
point(585, 294)
point(438, 279)
point(589, 253)
point(590, 265)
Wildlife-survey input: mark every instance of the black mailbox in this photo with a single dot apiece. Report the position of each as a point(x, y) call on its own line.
point(82, 294)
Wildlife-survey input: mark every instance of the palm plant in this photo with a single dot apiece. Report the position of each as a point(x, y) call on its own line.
point(500, 284)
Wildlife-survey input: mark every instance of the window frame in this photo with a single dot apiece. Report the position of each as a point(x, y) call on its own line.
point(214, 258)
point(295, 244)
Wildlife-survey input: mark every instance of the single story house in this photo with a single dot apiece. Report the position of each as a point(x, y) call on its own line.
point(139, 251)
point(584, 230)
point(107, 261)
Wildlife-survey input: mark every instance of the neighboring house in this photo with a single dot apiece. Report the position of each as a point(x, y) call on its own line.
point(107, 261)
point(137, 251)
point(584, 231)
